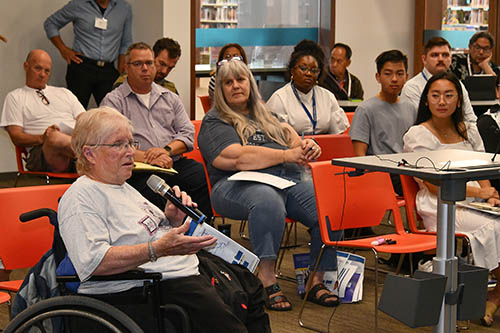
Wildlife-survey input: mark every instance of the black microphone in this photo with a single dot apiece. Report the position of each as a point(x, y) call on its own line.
point(158, 185)
point(496, 131)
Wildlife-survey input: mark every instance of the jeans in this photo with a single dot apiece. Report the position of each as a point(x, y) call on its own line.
point(266, 207)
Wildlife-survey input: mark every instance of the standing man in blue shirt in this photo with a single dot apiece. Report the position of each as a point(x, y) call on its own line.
point(103, 32)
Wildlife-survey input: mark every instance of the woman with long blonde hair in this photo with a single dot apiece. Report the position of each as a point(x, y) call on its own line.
point(240, 133)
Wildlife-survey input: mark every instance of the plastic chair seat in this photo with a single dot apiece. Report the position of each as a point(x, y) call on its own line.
point(21, 155)
point(4, 297)
point(12, 286)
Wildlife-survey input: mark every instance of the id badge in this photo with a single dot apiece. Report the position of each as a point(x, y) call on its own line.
point(101, 23)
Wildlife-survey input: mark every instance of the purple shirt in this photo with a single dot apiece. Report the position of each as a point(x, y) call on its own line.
point(163, 122)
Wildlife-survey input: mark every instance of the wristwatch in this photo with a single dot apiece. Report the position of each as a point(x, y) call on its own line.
point(169, 150)
point(152, 254)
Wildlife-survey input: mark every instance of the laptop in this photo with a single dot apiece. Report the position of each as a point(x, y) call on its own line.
point(481, 87)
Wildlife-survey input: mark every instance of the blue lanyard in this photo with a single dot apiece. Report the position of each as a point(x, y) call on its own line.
point(313, 118)
point(425, 77)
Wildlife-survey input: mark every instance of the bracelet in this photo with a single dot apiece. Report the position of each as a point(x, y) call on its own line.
point(152, 254)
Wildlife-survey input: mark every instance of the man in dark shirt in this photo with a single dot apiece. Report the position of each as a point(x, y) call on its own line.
point(337, 79)
point(478, 60)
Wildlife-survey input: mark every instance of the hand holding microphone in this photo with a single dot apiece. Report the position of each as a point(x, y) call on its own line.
point(158, 185)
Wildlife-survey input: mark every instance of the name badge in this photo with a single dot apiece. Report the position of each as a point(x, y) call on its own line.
point(101, 23)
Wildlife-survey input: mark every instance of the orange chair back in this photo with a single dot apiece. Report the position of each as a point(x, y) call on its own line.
point(345, 202)
point(197, 125)
point(334, 146)
point(205, 102)
point(349, 115)
point(23, 244)
point(410, 189)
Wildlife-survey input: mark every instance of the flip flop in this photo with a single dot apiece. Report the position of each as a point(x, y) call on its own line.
point(270, 301)
point(322, 300)
point(491, 308)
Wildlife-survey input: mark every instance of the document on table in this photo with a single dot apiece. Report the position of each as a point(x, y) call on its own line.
point(254, 176)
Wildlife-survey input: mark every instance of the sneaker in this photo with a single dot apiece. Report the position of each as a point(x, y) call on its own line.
point(425, 266)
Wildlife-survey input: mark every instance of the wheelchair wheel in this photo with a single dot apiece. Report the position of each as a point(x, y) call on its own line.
point(51, 314)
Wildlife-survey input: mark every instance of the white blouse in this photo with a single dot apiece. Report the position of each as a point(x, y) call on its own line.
point(331, 119)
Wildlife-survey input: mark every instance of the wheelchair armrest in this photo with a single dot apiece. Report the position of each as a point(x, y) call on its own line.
point(135, 274)
point(37, 213)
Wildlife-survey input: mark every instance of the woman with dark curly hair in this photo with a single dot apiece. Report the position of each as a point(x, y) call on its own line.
point(307, 107)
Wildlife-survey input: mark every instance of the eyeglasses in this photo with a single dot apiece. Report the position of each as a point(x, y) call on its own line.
point(119, 146)
point(139, 64)
point(435, 98)
point(43, 97)
point(305, 69)
point(224, 61)
point(478, 48)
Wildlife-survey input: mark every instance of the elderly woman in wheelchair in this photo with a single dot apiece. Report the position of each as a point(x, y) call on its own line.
point(109, 228)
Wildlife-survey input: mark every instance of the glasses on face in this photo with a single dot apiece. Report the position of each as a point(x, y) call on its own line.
point(435, 98)
point(44, 98)
point(139, 64)
point(224, 61)
point(478, 48)
point(120, 146)
point(305, 69)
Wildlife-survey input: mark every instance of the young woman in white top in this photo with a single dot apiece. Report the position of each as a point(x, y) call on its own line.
point(440, 125)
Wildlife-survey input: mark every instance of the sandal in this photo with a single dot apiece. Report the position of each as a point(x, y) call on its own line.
point(322, 300)
point(271, 301)
point(491, 308)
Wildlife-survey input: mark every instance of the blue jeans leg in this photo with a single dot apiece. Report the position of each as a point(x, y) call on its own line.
point(262, 205)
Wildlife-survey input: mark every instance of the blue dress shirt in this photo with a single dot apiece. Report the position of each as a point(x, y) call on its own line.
point(92, 42)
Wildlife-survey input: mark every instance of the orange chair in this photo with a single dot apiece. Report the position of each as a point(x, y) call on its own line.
point(345, 202)
point(334, 146)
point(5, 298)
point(410, 189)
point(23, 244)
point(197, 125)
point(205, 102)
point(349, 115)
point(21, 156)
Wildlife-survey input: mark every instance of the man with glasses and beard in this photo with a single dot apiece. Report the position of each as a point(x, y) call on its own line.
point(41, 117)
point(478, 60)
point(161, 126)
point(436, 59)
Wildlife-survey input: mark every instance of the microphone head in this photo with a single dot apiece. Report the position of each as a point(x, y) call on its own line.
point(156, 184)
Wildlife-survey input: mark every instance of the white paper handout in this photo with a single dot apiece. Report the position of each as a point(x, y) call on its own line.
point(254, 176)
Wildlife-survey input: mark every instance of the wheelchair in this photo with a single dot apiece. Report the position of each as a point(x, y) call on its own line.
point(99, 313)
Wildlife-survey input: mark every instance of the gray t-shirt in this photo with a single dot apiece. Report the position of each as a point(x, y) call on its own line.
point(94, 216)
point(215, 135)
point(381, 125)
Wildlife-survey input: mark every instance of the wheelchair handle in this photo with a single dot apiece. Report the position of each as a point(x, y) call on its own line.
point(37, 213)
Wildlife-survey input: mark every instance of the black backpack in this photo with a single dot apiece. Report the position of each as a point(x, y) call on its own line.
point(239, 288)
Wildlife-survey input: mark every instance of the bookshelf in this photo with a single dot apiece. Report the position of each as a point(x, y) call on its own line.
point(219, 14)
point(466, 15)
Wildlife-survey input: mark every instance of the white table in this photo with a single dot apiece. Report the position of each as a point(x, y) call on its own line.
point(451, 189)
